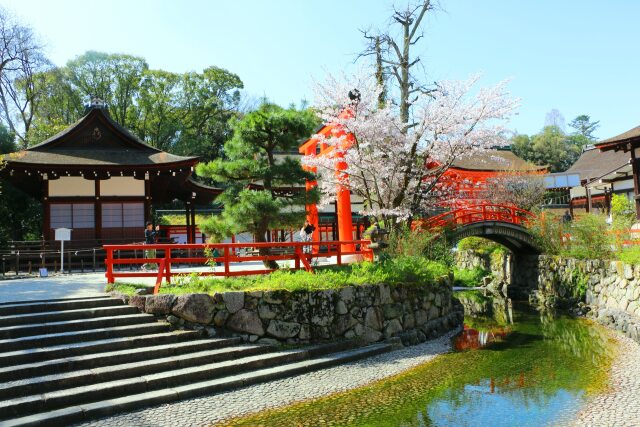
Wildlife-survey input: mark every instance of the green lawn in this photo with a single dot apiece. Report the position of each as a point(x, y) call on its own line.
point(402, 270)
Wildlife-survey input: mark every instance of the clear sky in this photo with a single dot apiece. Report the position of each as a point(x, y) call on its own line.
point(579, 56)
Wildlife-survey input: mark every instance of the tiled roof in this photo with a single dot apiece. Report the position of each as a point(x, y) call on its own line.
point(495, 160)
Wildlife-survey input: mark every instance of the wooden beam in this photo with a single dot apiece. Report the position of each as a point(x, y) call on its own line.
point(636, 181)
point(97, 214)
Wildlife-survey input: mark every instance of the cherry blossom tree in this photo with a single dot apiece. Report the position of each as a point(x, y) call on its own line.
point(393, 165)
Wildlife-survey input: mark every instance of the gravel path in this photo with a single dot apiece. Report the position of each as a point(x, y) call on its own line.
point(620, 406)
point(211, 409)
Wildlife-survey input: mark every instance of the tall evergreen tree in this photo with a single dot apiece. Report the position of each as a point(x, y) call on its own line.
point(258, 154)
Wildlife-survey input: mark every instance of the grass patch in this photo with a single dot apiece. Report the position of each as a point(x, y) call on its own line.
point(630, 255)
point(480, 245)
point(469, 278)
point(416, 271)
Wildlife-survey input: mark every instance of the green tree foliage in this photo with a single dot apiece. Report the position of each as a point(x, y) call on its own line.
point(583, 126)
point(187, 114)
point(551, 147)
point(623, 212)
point(251, 158)
point(21, 214)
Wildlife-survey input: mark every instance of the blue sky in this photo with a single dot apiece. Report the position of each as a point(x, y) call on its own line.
point(579, 56)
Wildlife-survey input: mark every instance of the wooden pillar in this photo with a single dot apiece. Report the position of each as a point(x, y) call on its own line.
point(636, 181)
point(187, 206)
point(193, 223)
point(97, 213)
point(587, 191)
point(147, 199)
point(46, 211)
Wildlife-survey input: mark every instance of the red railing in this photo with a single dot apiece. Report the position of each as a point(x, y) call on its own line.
point(228, 253)
point(478, 213)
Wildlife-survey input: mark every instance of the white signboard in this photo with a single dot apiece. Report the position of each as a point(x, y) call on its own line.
point(62, 234)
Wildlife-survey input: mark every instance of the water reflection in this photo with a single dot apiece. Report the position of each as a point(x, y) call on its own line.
point(517, 368)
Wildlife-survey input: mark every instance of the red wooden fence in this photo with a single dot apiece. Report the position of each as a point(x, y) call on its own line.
point(228, 254)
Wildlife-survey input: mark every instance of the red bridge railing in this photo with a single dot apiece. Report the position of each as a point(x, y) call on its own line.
point(478, 213)
point(229, 253)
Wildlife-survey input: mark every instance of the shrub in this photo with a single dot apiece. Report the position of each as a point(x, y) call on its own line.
point(589, 238)
point(469, 278)
point(630, 255)
point(480, 245)
point(421, 243)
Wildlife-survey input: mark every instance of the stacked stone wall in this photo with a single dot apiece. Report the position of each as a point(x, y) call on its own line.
point(607, 291)
point(371, 313)
point(498, 264)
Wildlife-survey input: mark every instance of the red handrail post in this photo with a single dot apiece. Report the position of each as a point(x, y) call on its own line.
point(161, 266)
point(226, 261)
point(167, 259)
point(109, 262)
point(297, 257)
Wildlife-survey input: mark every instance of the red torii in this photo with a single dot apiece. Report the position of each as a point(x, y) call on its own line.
point(343, 195)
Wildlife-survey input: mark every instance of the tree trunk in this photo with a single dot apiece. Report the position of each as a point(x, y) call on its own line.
point(259, 237)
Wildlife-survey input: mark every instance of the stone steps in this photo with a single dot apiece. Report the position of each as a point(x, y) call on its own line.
point(21, 331)
point(59, 316)
point(66, 361)
point(34, 355)
point(27, 307)
point(82, 412)
point(110, 358)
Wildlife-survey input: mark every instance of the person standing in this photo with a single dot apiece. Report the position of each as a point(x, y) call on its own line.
point(150, 237)
point(306, 233)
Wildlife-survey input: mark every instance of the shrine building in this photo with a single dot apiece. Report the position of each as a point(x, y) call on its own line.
point(101, 181)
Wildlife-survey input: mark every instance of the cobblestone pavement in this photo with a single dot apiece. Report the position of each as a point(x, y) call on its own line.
point(209, 410)
point(620, 406)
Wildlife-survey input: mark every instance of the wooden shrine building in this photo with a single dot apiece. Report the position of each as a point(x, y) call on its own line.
point(629, 143)
point(101, 181)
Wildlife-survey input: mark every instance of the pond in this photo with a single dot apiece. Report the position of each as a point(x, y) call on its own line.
point(521, 368)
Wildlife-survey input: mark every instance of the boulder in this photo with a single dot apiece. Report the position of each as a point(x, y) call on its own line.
point(385, 294)
point(391, 311)
point(392, 328)
point(265, 312)
point(373, 318)
point(343, 324)
point(421, 317)
point(175, 321)
point(234, 301)
point(197, 308)
point(220, 318)
point(282, 330)
point(341, 308)
point(246, 321)
point(371, 335)
point(138, 301)
point(159, 304)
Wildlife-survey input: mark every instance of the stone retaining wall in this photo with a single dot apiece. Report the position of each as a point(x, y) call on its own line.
point(371, 313)
point(498, 263)
point(610, 289)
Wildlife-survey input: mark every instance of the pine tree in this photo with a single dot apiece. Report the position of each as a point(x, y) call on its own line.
point(264, 183)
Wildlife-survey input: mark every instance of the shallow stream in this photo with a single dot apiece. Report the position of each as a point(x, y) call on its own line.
point(522, 368)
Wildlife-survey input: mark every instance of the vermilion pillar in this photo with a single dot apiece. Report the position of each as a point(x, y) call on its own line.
point(343, 207)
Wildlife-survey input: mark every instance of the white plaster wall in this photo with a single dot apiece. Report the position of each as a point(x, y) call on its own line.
point(71, 186)
point(122, 186)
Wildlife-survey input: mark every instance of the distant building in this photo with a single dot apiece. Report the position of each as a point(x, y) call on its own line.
point(101, 181)
point(601, 175)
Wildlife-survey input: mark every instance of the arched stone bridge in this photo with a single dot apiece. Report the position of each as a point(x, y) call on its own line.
point(499, 223)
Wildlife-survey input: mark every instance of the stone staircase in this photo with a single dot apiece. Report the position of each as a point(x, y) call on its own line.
point(71, 360)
